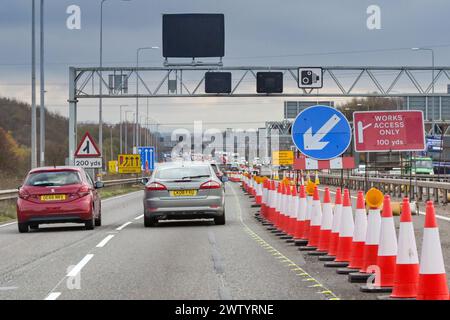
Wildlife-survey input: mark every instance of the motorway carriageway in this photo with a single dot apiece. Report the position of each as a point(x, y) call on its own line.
point(176, 260)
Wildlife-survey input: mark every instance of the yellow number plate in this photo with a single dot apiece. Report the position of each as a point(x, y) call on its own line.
point(53, 197)
point(183, 193)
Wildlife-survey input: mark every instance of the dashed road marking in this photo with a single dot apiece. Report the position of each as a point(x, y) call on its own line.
point(80, 265)
point(53, 296)
point(139, 217)
point(124, 225)
point(102, 243)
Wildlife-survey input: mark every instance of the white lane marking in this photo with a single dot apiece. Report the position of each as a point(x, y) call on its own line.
point(139, 217)
point(7, 224)
point(53, 296)
point(123, 226)
point(102, 243)
point(75, 270)
point(8, 288)
point(420, 212)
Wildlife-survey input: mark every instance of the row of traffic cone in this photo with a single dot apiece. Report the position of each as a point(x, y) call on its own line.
point(359, 244)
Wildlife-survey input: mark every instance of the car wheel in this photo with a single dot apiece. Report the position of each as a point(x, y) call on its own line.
point(98, 221)
point(90, 224)
point(150, 221)
point(220, 220)
point(23, 227)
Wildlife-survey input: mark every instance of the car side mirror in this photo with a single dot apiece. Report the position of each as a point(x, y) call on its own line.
point(224, 178)
point(99, 184)
point(144, 181)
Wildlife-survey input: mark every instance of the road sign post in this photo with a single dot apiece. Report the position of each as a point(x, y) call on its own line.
point(384, 131)
point(321, 132)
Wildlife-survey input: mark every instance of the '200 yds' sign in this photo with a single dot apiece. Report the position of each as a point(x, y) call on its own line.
point(378, 131)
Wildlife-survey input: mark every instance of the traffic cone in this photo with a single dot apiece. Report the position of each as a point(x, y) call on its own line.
point(346, 229)
point(277, 201)
point(359, 237)
point(316, 219)
point(406, 276)
point(258, 192)
point(316, 179)
point(374, 199)
point(325, 225)
point(270, 199)
point(306, 225)
point(432, 277)
point(334, 236)
point(301, 217)
point(264, 198)
point(293, 212)
point(387, 251)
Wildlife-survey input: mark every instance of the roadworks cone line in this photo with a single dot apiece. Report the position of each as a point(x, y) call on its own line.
point(316, 219)
point(359, 235)
point(398, 263)
point(432, 277)
point(327, 222)
point(346, 229)
point(406, 273)
point(387, 248)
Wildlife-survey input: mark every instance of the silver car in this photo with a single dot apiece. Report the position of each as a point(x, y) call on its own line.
point(183, 190)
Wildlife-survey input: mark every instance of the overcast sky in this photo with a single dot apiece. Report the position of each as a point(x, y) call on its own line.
point(258, 32)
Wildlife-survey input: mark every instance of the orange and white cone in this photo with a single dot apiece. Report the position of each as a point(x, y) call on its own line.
point(359, 235)
point(277, 205)
point(316, 219)
point(301, 213)
point(406, 276)
point(346, 229)
point(387, 251)
point(307, 223)
point(327, 222)
point(285, 207)
point(258, 193)
point(265, 193)
point(337, 212)
point(293, 211)
point(432, 276)
point(270, 200)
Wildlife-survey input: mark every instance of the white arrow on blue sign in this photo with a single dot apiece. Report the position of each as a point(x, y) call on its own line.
point(147, 157)
point(321, 132)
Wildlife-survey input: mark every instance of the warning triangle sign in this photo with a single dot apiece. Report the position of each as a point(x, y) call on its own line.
point(87, 147)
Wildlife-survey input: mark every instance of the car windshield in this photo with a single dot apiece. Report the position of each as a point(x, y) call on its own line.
point(53, 178)
point(191, 172)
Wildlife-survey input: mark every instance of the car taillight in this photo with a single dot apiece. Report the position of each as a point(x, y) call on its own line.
point(23, 194)
point(210, 185)
point(83, 191)
point(155, 186)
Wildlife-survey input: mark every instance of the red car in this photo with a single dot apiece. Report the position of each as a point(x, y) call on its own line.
point(58, 194)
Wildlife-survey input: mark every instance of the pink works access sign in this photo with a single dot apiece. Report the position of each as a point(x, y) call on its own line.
point(377, 131)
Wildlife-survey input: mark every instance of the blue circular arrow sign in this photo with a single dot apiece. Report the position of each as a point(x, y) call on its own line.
point(321, 132)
